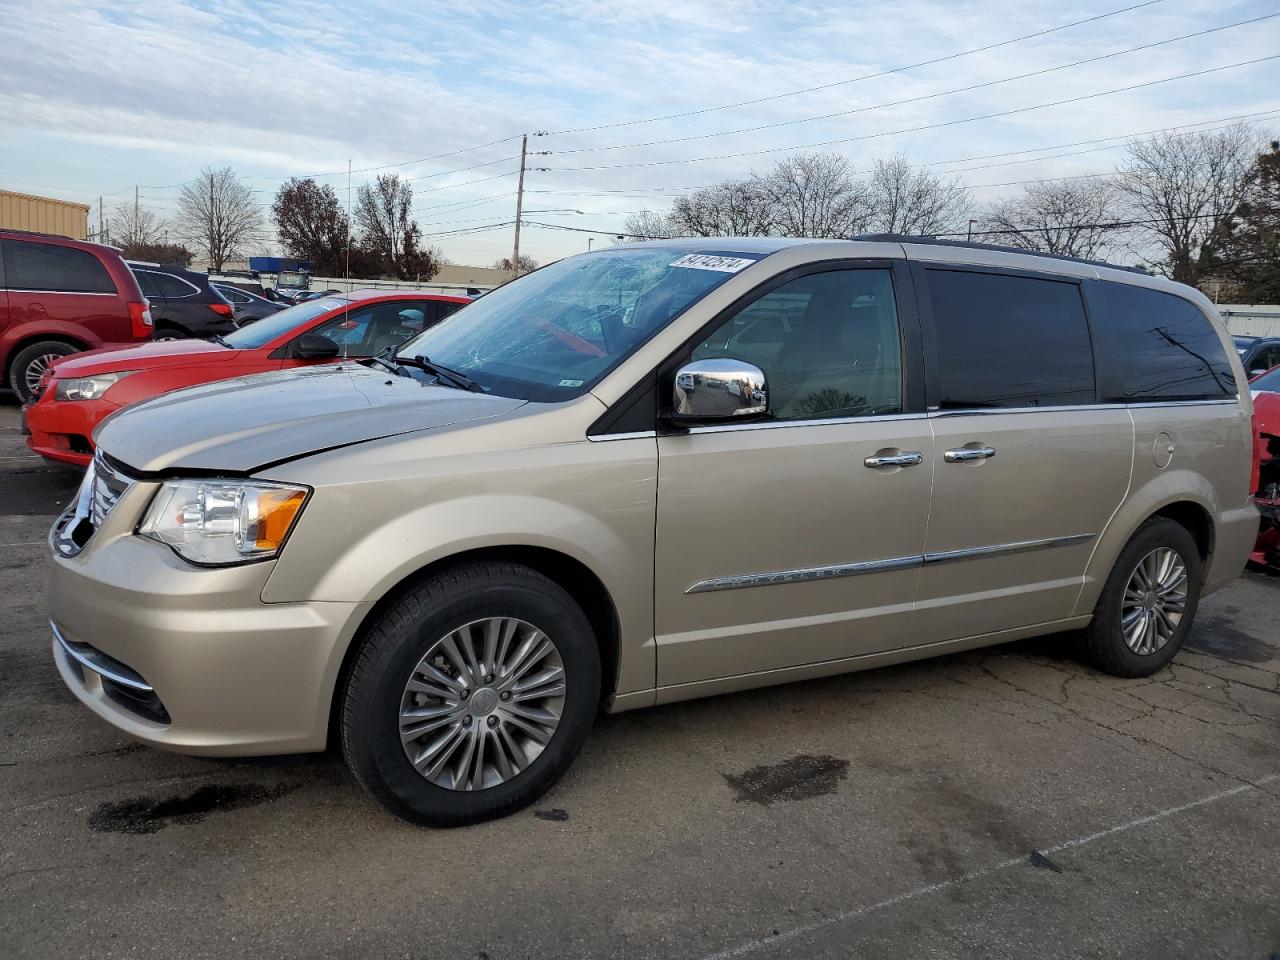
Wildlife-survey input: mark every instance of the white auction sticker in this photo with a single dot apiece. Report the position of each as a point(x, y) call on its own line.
point(706, 261)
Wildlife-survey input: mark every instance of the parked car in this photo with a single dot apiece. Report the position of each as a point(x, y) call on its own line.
point(84, 390)
point(552, 502)
point(248, 306)
point(1257, 354)
point(58, 297)
point(1266, 415)
point(183, 302)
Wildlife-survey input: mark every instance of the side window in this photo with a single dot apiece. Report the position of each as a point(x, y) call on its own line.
point(448, 308)
point(1267, 358)
point(1006, 341)
point(1162, 346)
point(43, 266)
point(370, 330)
point(828, 343)
point(347, 329)
point(147, 281)
point(171, 287)
point(233, 295)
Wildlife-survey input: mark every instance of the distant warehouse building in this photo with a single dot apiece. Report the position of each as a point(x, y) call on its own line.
point(22, 211)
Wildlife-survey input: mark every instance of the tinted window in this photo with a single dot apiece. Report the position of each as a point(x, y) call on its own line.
point(232, 295)
point(42, 266)
point(1006, 341)
point(1162, 347)
point(147, 281)
point(1264, 358)
point(367, 331)
point(170, 286)
point(447, 308)
point(828, 344)
point(1268, 381)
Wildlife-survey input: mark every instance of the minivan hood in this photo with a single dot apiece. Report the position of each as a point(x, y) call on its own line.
point(239, 425)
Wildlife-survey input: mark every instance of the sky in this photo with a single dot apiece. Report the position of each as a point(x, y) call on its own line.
point(627, 102)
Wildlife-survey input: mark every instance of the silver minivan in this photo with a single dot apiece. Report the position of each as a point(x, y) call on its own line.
point(650, 473)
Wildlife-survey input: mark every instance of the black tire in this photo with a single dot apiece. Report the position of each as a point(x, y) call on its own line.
point(1103, 640)
point(30, 355)
point(402, 634)
point(170, 333)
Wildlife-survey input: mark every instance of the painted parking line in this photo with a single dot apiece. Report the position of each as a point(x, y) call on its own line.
point(765, 943)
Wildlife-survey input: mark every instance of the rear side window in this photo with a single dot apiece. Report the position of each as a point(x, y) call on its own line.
point(447, 308)
point(43, 266)
point(169, 286)
point(1161, 347)
point(1005, 341)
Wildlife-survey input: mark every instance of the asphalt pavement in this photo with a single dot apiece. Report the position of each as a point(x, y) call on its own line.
point(1002, 803)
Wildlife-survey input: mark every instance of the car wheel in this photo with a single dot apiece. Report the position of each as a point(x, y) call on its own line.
point(31, 363)
point(1149, 602)
point(170, 333)
point(471, 694)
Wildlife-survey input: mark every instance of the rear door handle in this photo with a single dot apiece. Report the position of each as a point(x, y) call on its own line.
point(961, 454)
point(907, 458)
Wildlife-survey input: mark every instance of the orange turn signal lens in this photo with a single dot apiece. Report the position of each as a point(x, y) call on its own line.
point(277, 509)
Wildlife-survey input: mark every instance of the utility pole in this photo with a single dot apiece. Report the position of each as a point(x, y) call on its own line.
point(515, 253)
point(101, 235)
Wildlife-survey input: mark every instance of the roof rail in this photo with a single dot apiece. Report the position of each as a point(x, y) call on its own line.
point(999, 248)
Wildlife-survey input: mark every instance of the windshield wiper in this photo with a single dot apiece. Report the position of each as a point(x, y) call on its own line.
point(443, 374)
point(386, 363)
point(221, 341)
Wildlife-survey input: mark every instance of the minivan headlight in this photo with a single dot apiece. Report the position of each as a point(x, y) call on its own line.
point(88, 388)
point(217, 522)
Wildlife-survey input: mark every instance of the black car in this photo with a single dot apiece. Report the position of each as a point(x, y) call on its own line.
point(247, 306)
point(1258, 354)
point(183, 302)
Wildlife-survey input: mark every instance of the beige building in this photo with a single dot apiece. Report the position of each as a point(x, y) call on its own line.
point(23, 211)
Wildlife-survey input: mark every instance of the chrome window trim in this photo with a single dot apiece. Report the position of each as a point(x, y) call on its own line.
point(825, 422)
point(633, 435)
point(833, 571)
point(115, 672)
point(1081, 407)
point(66, 293)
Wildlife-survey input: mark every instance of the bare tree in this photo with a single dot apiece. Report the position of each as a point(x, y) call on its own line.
point(134, 227)
point(312, 225)
point(217, 214)
point(647, 225)
point(815, 195)
point(1182, 189)
point(910, 200)
point(1068, 217)
point(527, 264)
point(735, 208)
point(387, 229)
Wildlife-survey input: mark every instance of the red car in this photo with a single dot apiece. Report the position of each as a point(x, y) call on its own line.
point(1266, 418)
point(80, 391)
point(58, 297)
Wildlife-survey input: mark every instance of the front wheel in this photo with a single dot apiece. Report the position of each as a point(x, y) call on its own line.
point(1149, 601)
point(30, 365)
point(471, 695)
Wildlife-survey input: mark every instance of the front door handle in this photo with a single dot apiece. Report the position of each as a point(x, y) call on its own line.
point(961, 454)
point(907, 458)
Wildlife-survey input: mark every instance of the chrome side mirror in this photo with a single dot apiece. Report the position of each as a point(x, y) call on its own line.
point(719, 389)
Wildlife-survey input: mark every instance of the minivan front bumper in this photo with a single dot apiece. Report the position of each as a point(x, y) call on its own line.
point(190, 659)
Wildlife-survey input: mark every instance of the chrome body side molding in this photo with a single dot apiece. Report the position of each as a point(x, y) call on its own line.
point(834, 571)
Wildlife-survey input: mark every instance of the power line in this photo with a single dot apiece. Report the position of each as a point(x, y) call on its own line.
point(929, 126)
point(387, 166)
point(868, 76)
point(929, 96)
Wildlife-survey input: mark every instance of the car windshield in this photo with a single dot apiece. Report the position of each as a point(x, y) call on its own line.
point(262, 332)
point(1269, 381)
point(554, 333)
point(1242, 344)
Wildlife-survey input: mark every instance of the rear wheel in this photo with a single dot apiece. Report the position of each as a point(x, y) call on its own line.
point(170, 333)
point(1149, 602)
point(471, 696)
point(31, 363)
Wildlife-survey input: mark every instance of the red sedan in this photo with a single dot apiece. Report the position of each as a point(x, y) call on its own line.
point(1266, 417)
point(80, 391)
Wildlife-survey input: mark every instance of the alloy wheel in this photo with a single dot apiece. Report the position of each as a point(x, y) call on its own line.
point(482, 704)
point(1154, 600)
point(36, 370)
